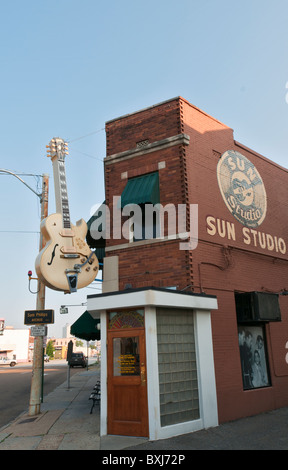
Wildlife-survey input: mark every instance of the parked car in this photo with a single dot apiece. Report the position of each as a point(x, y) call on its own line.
point(7, 361)
point(78, 359)
point(46, 358)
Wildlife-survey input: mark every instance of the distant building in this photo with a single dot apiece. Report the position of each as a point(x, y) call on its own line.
point(61, 347)
point(14, 343)
point(66, 331)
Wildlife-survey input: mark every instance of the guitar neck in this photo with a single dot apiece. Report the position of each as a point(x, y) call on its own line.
point(61, 195)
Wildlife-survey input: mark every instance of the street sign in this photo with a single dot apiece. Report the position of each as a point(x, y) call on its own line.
point(63, 310)
point(39, 330)
point(34, 317)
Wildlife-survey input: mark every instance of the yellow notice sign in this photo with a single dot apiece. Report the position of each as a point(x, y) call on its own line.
point(127, 364)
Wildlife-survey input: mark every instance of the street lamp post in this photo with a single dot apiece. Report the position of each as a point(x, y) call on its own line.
point(37, 372)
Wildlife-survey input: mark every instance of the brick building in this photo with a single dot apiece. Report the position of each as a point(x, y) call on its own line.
point(174, 154)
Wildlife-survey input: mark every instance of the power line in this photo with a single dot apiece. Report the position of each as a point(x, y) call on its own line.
point(86, 135)
point(83, 137)
point(88, 155)
point(18, 231)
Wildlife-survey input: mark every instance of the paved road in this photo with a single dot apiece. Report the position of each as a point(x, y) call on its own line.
point(16, 385)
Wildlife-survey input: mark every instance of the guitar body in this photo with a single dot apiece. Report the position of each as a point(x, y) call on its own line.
point(65, 249)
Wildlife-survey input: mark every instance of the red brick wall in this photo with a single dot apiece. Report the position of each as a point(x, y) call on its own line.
point(154, 124)
point(160, 265)
point(222, 266)
point(219, 265)
point(165, 265)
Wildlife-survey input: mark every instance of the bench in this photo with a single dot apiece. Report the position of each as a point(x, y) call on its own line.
point(95, 395)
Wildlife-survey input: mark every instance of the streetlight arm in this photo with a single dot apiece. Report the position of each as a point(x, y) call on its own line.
point(74, 305)
point(18, 177)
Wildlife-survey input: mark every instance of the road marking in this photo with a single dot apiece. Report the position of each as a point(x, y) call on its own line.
point(22, 370)
point(13, 371)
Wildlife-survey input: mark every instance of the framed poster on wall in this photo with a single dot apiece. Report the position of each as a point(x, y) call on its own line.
point(253, 356)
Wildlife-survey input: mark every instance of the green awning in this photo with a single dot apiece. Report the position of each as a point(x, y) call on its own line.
point(86, 327)
point(99, 243)
point(142, 189)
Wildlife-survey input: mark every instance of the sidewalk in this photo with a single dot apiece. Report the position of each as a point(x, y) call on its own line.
point(65, 423)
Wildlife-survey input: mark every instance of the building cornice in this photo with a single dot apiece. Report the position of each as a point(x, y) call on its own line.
point(180, 139)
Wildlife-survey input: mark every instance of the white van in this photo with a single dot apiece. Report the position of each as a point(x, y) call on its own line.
point(6, 360)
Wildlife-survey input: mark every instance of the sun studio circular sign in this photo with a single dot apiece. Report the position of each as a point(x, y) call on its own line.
point(242, 188)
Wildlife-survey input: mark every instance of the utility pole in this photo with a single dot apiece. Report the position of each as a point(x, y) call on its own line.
point(37, 372)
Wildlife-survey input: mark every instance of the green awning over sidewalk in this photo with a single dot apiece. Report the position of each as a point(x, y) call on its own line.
point(86, 327)
point(141, 190)
point(98, 244)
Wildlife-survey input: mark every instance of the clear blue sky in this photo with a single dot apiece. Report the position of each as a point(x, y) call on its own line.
point(68, 66)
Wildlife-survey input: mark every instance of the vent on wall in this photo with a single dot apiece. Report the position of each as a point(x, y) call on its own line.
point(257, 306)
point(142, 143)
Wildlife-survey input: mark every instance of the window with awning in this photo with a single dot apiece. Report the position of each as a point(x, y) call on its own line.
point(97, 244)
point(141, 190)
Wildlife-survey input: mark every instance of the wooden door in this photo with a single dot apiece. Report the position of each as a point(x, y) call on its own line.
point(127, 388)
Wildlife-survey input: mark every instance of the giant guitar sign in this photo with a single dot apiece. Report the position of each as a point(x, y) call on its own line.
point(66, 263)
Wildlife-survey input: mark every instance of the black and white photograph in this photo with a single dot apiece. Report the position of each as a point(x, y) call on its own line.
point(253, 357)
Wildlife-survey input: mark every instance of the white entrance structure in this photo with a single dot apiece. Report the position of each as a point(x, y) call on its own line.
point(181, 388)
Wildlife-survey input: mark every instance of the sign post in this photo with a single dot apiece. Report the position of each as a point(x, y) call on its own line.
point(69, 355)
point(37, 372)
point(37, 319)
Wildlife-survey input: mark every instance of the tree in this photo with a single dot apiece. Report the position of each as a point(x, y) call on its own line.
point(50, 348)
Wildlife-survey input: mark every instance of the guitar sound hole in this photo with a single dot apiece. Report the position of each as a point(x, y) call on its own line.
point(52, 255)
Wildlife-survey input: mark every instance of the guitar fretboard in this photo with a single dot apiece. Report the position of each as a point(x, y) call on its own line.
point(64, 195)
point(61, 195)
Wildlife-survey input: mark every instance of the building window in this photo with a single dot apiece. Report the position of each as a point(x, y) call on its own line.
point(126, 356)
point(139, 201)
point(126, 319)
point(253, 356)
point(147, 227)
point(179, 398)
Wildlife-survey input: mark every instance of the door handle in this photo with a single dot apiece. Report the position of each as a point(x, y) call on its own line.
point(143, 374)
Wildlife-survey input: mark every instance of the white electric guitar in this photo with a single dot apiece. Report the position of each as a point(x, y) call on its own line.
point(66, 263)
